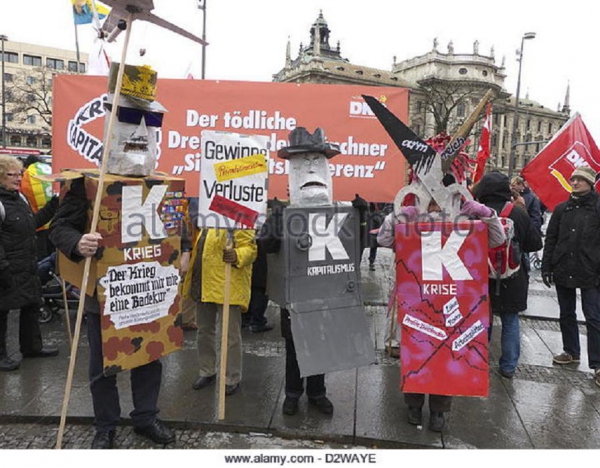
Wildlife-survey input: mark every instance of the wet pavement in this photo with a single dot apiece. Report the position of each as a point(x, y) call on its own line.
point(544, 406)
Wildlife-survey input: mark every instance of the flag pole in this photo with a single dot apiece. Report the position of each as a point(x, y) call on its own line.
point(76, 43)
point(94, 225)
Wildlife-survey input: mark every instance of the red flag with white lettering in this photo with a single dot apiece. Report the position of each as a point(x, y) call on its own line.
point(549, 172)
point(483, 153)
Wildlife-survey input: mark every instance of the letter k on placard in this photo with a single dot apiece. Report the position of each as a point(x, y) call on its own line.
point(435, 255)
point(326, 237)
point(138, 215)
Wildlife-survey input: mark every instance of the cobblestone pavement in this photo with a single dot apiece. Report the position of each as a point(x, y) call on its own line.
point(43, 436)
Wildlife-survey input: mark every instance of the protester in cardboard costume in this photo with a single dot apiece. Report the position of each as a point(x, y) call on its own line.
point(438, 404)
point(132, 152)
point(311, 312)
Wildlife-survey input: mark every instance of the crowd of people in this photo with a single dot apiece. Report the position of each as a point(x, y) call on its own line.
point(571, 261)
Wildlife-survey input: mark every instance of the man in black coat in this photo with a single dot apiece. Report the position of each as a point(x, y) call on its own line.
point(493, 190)
point(572, 260)
point(532, 203)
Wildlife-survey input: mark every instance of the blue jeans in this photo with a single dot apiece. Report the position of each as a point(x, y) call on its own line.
point(510, 341)
point(590, 303)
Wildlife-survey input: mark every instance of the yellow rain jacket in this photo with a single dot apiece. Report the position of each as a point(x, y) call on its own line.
point(213, 267)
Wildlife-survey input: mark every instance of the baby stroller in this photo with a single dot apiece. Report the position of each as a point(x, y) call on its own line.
point(52, 293)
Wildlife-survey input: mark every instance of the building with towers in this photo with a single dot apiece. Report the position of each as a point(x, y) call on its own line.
point(444, 87)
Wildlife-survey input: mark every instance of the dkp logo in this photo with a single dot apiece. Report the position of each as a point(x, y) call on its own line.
point(326, 237)
point(435, 255)
point(138, 215)
point(577, 155)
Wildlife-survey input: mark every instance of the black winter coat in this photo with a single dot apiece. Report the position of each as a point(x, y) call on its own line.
point(514, 291)
point(494, 191)
point(70, 221)
point(572, 250)
point(19, 282)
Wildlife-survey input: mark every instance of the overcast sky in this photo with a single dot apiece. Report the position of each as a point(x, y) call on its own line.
point(248, 38)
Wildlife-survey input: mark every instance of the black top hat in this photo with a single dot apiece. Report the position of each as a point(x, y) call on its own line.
point(301, 141)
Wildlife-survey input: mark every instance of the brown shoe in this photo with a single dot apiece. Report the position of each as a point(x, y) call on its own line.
point(565, 358)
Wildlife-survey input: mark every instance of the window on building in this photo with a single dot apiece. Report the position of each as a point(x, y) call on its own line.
point(8, 77)
point(539, 126)
point(32, 60)
point(484, 73)
point(15, 140)
point(72, 66)
point(55, 64)
point(417, 129)
point(549, 127)
point(31, 119)
point(460, 109)
point(82, 68)
point(8, 94)
point(10, 117)
point(46, 142)
point(419, 106)
point(31, 141)
point(463, 71)
point(11, 57)
point(31, 80)
point(30, 97)
point(528, 125)
point(496, 119)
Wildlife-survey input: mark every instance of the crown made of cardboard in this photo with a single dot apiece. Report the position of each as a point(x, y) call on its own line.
point(302, 141)
point(138, 81)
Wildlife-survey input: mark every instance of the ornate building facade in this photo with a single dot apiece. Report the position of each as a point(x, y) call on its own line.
point(444, 87)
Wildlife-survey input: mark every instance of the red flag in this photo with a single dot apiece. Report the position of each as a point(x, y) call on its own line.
point(549, 172)
point(483, 152)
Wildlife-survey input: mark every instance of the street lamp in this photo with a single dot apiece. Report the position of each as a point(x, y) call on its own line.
point(2, 39)
point(513, 148)
point(202, 6)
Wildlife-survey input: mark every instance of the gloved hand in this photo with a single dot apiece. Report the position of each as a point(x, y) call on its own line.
point(473, 209)
point(410, 213)
point(360, 203)
point(229, 256)
point(548, 278)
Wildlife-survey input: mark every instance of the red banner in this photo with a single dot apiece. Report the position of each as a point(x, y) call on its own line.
point(443, 308)
point(549, 172)
point(370, 164)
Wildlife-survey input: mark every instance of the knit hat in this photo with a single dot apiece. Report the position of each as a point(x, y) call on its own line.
point(586, 173)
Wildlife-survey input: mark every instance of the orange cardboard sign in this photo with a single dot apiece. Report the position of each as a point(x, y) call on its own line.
point(369, 165)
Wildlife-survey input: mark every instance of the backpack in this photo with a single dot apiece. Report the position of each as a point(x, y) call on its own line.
point(504, 261)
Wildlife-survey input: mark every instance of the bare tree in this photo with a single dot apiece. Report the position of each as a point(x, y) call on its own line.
point(31, 94)
point(442, 99)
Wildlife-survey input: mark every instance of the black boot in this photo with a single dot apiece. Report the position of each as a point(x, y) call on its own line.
point(6, 363)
